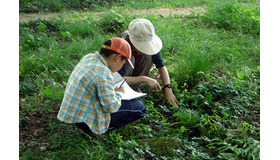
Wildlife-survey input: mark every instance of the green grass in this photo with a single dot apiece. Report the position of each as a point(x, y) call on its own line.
point(214, 69)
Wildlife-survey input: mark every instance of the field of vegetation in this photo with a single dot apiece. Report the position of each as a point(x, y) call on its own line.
point(213, 59)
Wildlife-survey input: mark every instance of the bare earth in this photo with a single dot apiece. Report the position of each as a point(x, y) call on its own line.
point(165, 12)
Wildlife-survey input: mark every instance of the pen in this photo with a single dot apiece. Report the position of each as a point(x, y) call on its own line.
point(122, 83)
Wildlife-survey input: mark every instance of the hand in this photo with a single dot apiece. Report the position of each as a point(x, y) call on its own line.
point(121, 89)
point(152, 83)
point(169, 96)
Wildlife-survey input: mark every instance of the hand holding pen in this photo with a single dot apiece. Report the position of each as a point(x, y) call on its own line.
point(120, 88)
point(122, 83)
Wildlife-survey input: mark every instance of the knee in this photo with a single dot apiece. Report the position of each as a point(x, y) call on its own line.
point(133, 104)
point(140, 106)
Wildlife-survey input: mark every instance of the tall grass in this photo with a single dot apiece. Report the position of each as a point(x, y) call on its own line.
point(199, 49)
point(232, 15)
point(190, 64)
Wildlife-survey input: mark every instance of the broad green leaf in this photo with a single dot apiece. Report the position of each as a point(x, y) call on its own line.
point(42, 27)
point(66, 34)
point(241, 74)
point(247, 71)
point(244, 72)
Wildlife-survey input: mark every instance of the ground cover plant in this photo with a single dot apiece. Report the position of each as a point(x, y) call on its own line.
point(213, 60)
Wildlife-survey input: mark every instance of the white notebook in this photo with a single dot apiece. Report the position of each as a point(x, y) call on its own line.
point(129, 92)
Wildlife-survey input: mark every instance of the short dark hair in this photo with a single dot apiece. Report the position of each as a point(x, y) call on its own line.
point(128, 40)
point(107, 52)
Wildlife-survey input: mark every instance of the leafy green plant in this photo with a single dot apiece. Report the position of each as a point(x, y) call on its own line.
point(194, 150)
point(187, 117)
point(244, 72)
point(34, 41)
point(28, 7)
point(245, 128)
point(233, 148)
point(67, 35)
point(45, 26)
point(212, 127)
point(54, 91)
point(113, 22)
point(42, 27)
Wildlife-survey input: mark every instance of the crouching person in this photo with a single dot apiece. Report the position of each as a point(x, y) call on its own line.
point(90, 99)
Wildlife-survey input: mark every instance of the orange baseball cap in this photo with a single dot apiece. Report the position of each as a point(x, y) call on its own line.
point(120, 46)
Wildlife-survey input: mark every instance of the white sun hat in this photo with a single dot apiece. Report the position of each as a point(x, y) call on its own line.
point(142, 36)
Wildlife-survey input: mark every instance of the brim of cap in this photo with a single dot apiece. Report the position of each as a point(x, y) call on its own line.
point(129, 63)
point(149, 47)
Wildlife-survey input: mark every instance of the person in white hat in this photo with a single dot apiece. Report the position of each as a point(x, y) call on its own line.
point(146, 46)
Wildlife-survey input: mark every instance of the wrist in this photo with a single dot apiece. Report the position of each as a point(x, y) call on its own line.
point(144, 79)
point(166, 87)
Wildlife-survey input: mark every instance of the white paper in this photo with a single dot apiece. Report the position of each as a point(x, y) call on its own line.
point(129, 92)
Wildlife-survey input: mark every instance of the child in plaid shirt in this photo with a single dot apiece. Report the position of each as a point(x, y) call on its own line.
point(90, 100)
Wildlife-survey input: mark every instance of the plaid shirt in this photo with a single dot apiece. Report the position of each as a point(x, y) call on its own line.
point(90, 96)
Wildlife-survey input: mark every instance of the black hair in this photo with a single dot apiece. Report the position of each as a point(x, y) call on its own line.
point(128, 40)
point(107, 52)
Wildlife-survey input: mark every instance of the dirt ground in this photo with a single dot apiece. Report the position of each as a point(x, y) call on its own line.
point(165, 12)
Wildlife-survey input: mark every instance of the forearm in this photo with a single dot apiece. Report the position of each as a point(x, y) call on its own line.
point(152, 83)
point(165, 79)
point(164, 75)
point(135, 79)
